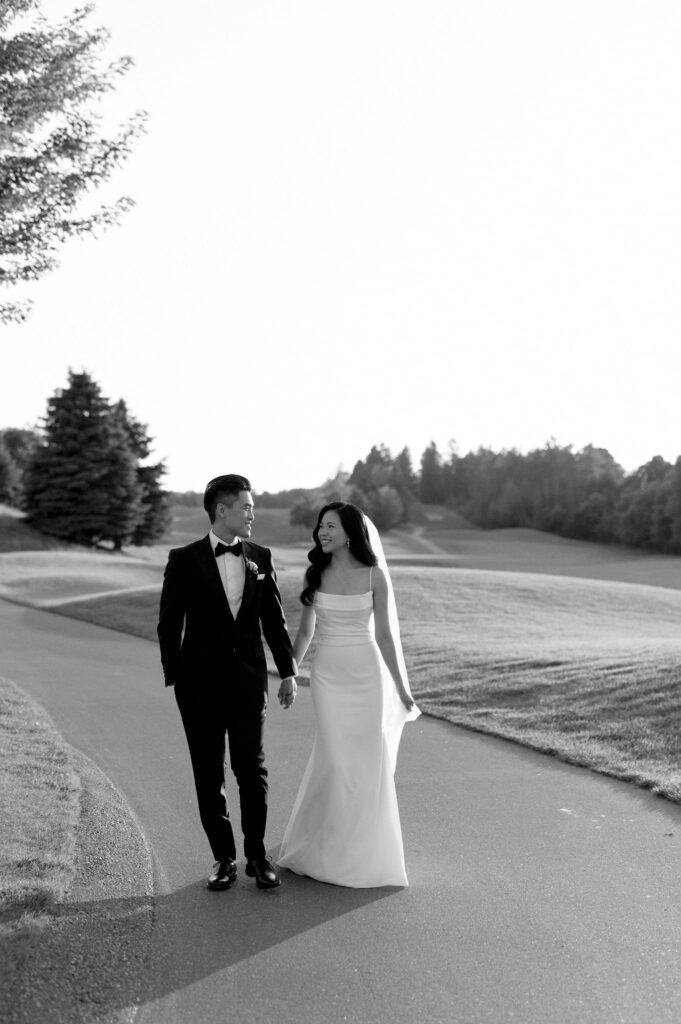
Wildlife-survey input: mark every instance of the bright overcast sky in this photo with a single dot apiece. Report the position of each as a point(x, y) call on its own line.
point(376, 222)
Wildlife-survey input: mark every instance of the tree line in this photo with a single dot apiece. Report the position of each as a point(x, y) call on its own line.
point(582, 494)
point(385, 487)
point(84, 476)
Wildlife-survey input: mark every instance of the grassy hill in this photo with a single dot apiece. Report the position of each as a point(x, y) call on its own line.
point(524, 550)
point(588, 670)
point(568, 647)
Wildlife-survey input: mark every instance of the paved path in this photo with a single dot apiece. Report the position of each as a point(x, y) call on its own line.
point(539, 892)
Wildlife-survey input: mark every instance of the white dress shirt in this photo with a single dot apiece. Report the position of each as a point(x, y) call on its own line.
point(232, 573)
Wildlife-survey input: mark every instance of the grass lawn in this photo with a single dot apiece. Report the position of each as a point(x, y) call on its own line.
point(571, 648)
point(39, 811)
point(42, 578)
point(587, 670)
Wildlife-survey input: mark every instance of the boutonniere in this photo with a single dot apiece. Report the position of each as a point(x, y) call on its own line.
point(252, 567)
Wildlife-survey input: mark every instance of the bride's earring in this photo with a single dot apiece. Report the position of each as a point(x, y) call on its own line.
point(347, 543)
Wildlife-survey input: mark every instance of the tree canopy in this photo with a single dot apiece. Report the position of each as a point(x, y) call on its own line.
point(85, 481)
point(52, 147)
point(583, 494)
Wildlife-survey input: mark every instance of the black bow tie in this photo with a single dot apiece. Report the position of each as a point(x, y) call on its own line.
point(221, 549)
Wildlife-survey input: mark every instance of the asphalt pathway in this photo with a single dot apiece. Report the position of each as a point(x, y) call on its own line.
point(539, 892)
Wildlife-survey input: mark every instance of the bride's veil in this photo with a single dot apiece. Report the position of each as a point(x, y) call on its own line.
point(394, 712)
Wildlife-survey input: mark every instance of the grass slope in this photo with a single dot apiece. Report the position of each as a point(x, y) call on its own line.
point(501, 635)
point(531, 551)
point(554, 651)
point(39, 810)
point(41, 578)
point(588, 670)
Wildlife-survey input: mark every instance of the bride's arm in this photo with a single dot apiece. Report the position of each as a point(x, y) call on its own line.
point(305, 633)
point(384, 636)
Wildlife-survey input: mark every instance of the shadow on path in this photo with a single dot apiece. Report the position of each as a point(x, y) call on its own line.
point(187, 935)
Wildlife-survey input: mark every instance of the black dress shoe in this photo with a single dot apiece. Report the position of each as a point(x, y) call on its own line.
point(263, 872)
point(223, 875)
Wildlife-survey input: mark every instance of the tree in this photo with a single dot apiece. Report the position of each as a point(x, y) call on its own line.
point(405, 482)
point(81, 483)
point(432, 476)
point(336, 488)
point(674, 506)
point(9, 487)
point(154, 516)
point(303, 513)
point(52, 150)
point(642, 516)
point(385, 507)
point(120, 481)
point(18, 444)
point(508, 509)
point(374, 471)
point(590, 520)
point(137, 434)
point(383, 487)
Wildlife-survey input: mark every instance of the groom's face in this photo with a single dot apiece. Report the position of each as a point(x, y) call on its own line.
point(235, 520)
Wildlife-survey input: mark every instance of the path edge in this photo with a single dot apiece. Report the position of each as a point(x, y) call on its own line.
point(113, 862)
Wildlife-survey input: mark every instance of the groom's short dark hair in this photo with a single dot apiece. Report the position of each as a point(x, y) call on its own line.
point(225, 488)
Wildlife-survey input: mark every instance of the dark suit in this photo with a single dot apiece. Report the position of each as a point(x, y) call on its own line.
point(217, 666)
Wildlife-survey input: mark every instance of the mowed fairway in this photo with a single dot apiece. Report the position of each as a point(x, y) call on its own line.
point(584, 668)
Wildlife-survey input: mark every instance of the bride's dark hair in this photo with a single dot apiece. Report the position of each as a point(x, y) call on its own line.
point(352, 521)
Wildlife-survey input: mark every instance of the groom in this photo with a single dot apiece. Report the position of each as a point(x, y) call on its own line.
point(217, 593)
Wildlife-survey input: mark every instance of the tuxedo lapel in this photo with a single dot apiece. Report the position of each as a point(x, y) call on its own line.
point(249, 579)
point(209, 568)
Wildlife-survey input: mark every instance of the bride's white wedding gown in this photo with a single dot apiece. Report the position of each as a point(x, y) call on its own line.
point(345, 823)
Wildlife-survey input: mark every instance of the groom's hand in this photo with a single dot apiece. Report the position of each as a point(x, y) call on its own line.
point(287, 692)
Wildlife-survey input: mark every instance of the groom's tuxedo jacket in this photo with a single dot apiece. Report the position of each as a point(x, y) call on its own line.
point(201, 642)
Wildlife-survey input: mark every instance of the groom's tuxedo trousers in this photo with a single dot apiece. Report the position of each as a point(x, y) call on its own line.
point(217, 665)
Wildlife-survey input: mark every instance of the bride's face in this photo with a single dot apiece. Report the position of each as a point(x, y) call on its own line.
point(332, 536)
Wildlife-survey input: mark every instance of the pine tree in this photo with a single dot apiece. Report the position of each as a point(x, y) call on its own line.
point(432, 489)
point(404, 477)
point(405, 482)
point(51, 148)
point(122, 485)
point(81, 483)
point(154, 515)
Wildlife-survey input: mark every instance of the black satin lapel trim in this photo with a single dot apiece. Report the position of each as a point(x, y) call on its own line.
point(209, 567)
point(249, 578)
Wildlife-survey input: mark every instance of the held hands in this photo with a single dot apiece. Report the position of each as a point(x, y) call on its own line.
point(287, 692)
point(406, 698)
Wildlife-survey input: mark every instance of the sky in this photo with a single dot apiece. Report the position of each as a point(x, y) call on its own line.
point(379, 222)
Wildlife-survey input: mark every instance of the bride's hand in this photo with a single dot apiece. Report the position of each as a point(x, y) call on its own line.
point(287, 692)
point(406, 699)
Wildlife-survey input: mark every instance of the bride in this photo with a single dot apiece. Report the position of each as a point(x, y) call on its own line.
point(345, 825)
